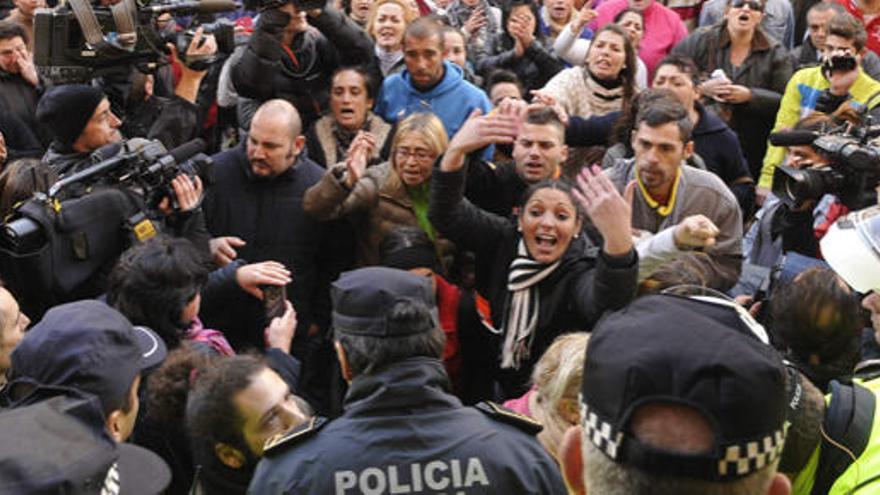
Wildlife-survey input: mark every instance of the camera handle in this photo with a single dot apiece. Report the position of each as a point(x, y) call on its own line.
point(124, 16)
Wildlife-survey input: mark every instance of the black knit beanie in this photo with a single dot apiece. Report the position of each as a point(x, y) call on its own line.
point(65, 111)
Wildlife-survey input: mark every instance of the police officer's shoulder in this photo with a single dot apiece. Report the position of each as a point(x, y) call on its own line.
point(280, 442)
point(504, 415)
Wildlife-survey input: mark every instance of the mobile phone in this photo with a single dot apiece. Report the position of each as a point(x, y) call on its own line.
point(274, 297)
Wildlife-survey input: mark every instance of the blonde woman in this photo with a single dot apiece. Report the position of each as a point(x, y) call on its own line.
point(553, 399)
point(386, 24)
point(382, 197)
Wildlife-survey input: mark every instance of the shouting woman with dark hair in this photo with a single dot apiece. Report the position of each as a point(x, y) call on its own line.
point(535, 271)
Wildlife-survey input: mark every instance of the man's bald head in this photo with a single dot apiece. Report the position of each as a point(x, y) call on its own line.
point(275, 139)
point(280, 111)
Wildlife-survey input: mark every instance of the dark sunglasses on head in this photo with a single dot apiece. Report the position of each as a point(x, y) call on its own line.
point(755, 5)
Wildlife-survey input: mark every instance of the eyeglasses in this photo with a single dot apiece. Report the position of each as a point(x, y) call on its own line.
point(755, 5)
point(421, 155)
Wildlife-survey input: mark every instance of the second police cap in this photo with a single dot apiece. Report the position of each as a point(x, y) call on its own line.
point(690, 352)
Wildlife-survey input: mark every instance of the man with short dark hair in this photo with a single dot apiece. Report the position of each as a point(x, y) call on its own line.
point(714, 142)
point(673, 415)
point(538, 153)
point(429, 83)
point(402, 431)
point(676, 207)
point(502, 84)
point(237, 406)
point(20, 86)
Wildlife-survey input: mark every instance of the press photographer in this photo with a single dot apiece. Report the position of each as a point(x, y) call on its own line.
point(838, 80)
point(295, 62)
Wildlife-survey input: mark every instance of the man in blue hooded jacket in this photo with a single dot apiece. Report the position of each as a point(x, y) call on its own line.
point(429, 84)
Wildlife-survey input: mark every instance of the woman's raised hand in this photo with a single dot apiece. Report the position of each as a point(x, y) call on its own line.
point(610, 212)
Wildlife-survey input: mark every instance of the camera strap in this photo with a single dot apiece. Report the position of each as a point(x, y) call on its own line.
point(123, 16)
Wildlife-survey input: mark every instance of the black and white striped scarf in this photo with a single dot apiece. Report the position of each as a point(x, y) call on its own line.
point(525, 303)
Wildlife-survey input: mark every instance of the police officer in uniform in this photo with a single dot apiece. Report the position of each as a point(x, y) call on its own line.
point(402, 430)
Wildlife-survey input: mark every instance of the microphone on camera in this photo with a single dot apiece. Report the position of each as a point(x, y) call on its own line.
point(792, 138)
point(191, 7)
point(187, 150)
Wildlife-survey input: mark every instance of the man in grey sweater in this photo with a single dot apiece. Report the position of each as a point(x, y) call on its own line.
point(677, 208)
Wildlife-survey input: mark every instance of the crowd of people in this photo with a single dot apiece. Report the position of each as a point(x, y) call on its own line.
point(433, 246)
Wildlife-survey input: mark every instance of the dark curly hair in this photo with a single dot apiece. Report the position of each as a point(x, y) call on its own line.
point(153, 282)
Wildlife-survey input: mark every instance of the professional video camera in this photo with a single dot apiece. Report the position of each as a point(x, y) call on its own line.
point(78, 41)
point(54, 244)
point(852, 176)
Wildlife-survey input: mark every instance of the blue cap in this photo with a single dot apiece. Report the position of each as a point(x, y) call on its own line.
point(87, 346)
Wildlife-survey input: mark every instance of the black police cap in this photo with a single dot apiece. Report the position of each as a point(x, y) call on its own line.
point(362, 300)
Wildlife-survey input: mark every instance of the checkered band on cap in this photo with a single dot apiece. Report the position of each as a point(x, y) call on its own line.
point(599, 432)
point(739, 459)
point(747, 458)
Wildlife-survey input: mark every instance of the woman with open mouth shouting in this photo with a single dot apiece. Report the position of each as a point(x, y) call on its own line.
point(351, 98)
point(606, 83)
point(379, 198)
point(536, 271)
point(755, 68)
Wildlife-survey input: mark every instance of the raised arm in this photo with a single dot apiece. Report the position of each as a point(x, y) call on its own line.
point(449, 212)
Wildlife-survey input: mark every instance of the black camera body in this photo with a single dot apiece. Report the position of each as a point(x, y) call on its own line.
point(63, 56)
point(839, 63)
point(852, 176)
point(75, 46)
point(54, 245)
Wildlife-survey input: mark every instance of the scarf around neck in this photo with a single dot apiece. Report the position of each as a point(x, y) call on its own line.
point(525, 303)
point(604, 96)
point(387, 60)
point(419, 195)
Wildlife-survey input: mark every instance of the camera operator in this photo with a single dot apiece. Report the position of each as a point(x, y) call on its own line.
point(81, 121)
point(838, 79)
point(287, 59)
point(778, 228)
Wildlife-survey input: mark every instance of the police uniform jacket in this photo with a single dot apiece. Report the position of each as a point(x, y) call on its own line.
point(403, 432)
